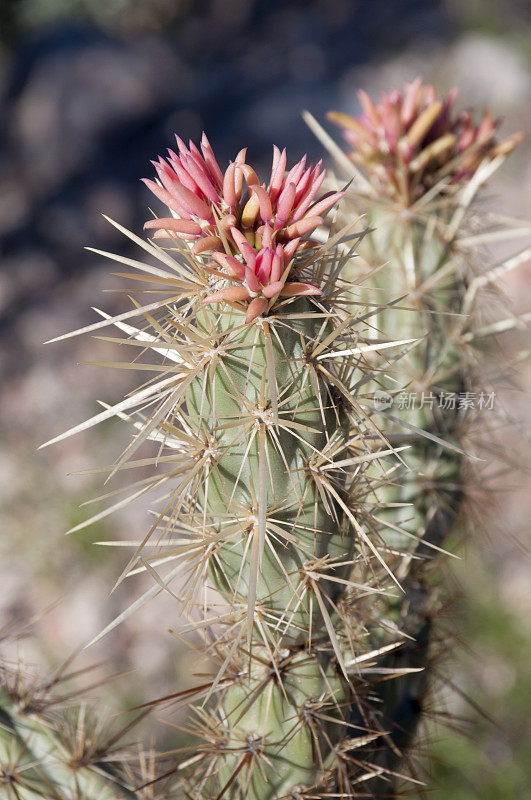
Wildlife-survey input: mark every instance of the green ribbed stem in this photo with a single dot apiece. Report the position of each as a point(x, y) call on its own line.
point(415, 252)
point(260, 476)
point(415, 255)
point(279, 723)
point(239, 387)
point(37, 761)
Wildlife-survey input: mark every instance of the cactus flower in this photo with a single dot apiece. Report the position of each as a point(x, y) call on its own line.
point(250, 232)
point(411, 139)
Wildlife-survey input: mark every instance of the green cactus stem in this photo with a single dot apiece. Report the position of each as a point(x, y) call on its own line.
point(265, 459)
point(421, 168)
point(53, 747)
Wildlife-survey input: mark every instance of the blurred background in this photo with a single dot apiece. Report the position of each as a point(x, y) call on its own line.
point(90, 91)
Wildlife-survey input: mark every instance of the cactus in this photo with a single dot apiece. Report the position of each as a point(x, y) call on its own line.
point(53, 746)
point(276, 527)
point(421, 166)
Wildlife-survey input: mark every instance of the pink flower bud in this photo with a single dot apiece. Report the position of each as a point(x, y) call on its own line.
point(165, 197)
point(277, 265)
point(285, 203)
point(263, 265)
point(255, 308)
point(231, 264)
point(277, 173)
point(229, 189)
point(207, 243)
point(251, 280)
point(211, 162)
point(299, 289)
point(175, 225)
point(192, 203)
point(264, 201)
point(232, 294)
point(272, 289)
point(303, 226)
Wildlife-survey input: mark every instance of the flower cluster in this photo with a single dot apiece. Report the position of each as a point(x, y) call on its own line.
point(411, 139)
point(249, 231)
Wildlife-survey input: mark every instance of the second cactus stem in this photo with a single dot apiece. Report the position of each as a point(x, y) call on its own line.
point(421, 168)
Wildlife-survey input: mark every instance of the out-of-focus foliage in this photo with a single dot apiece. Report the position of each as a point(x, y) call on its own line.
point(117, 15)
point(495, 16)
point(493, 761)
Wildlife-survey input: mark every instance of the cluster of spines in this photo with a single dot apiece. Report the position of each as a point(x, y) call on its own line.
point(55, 745)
